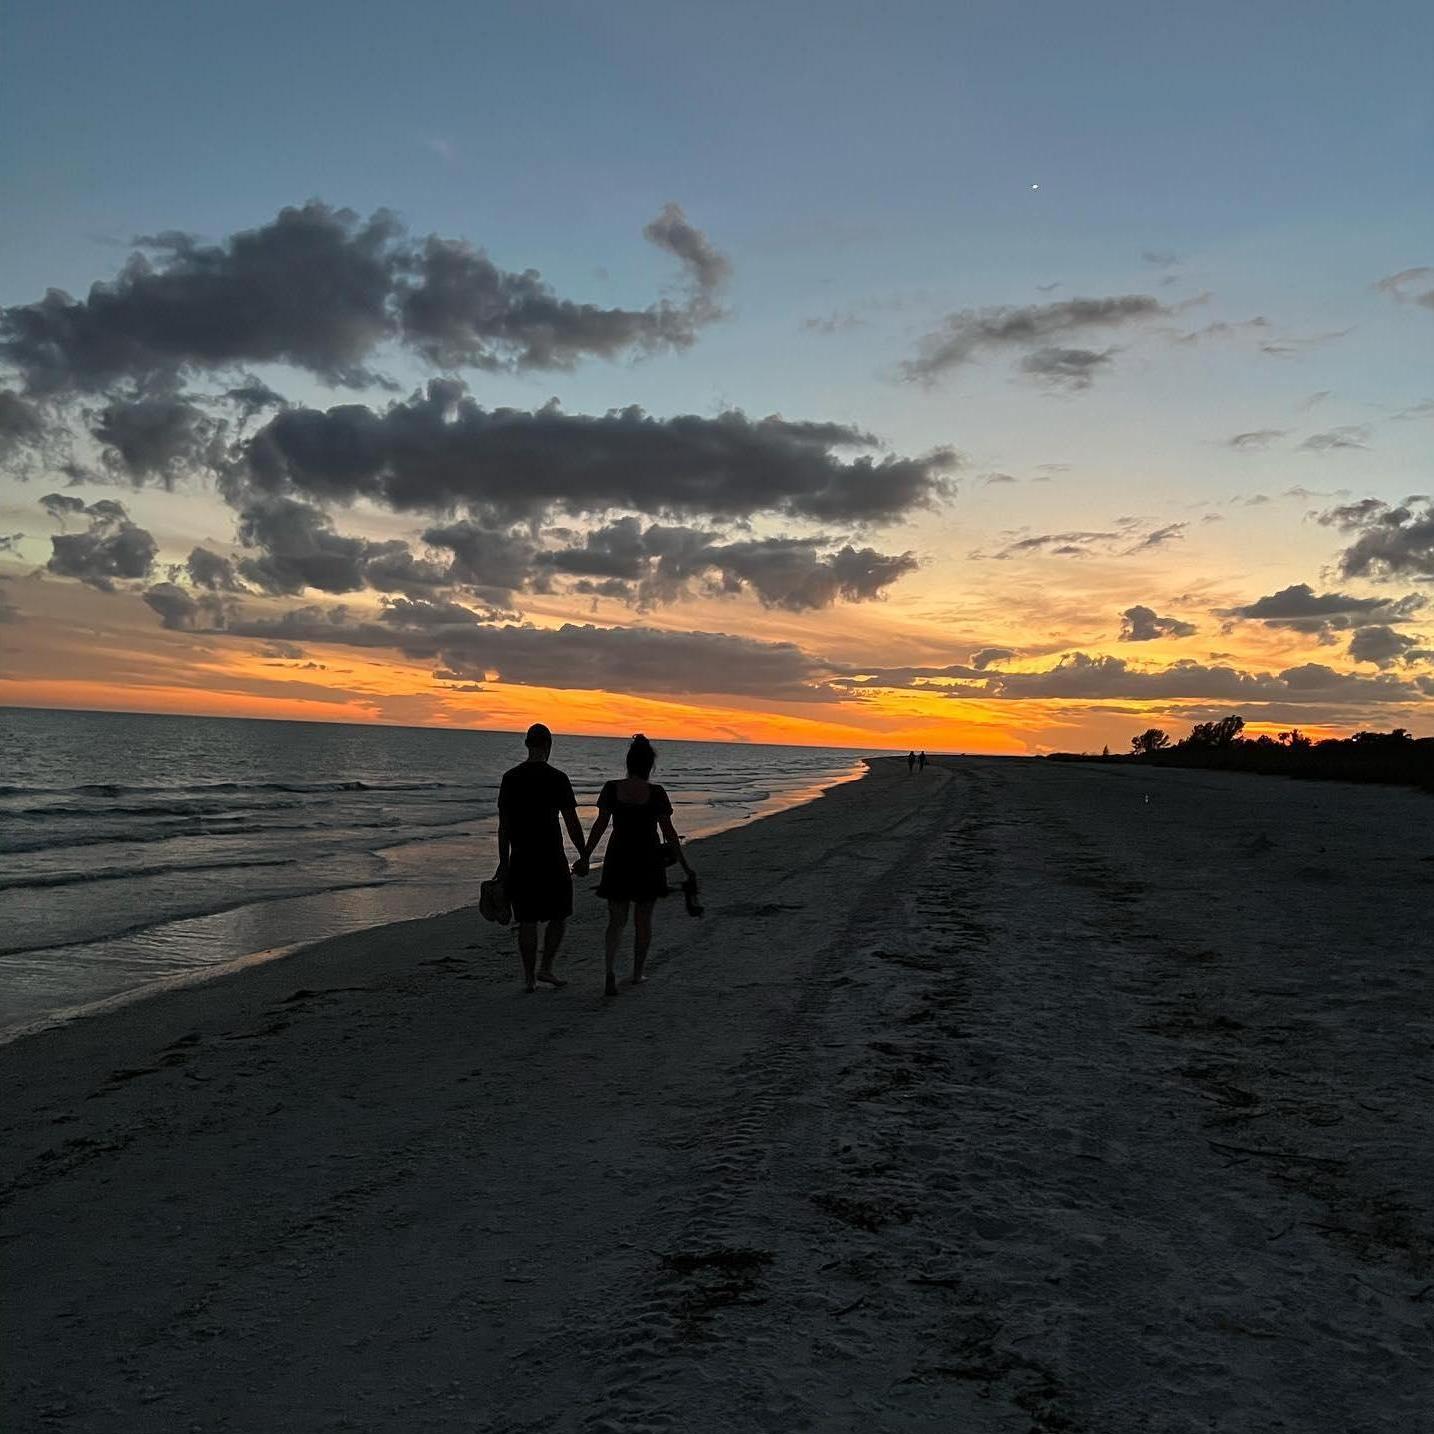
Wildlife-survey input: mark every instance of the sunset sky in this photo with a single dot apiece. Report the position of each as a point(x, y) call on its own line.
point(971, 376)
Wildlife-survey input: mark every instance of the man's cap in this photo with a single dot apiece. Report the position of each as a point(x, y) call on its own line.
point(538, 736)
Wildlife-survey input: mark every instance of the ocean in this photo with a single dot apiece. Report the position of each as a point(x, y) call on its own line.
point(137, 850)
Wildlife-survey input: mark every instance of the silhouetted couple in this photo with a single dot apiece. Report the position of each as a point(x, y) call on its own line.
point(913, 761)
point(533, 797)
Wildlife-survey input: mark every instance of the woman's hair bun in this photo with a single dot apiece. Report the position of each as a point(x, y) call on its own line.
point(641, 756)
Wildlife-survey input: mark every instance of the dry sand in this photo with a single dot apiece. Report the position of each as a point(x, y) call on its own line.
point(998, 1098)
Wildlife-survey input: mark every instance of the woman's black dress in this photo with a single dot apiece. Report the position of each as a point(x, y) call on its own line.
point(633, 868)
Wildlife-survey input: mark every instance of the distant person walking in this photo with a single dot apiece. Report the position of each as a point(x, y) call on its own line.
point(911, 761)
point(531, 860)
point(634, 868)
point(921, 762)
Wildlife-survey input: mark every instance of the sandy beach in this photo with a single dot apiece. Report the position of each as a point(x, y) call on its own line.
point(1013, 1096)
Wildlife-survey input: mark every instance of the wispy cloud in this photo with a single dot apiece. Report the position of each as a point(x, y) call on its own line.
point(835, 323)
point(962, 336)
point(1408, 286)
point(1255, 439)
point(1123, 540)
point(1067, 368)
point(1332, 440)
point(1291, 345)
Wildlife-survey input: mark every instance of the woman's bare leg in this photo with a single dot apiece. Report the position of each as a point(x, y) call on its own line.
point(528, 950)
point(641, 939)
point(616, 920)
point(552, 939)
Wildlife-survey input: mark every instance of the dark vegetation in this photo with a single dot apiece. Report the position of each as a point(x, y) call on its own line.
point(1395, 757)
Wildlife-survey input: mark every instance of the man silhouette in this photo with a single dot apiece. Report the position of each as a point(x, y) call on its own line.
point(921, 762)
point(911, 761)
point(531, 858)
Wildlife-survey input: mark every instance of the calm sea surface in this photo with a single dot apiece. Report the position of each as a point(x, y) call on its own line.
point(137, 849)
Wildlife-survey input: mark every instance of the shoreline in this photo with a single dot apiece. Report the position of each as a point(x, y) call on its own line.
point(221, 969)
point(994, 1098)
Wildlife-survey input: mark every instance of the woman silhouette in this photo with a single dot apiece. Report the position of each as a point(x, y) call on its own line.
point(633, 870)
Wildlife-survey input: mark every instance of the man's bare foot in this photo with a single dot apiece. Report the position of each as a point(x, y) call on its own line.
point(638, 978)
point(611, 988)
point(529, 988)
point(548, 979)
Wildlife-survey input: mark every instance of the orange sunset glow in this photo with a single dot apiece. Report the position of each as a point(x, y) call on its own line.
point(1001, 487)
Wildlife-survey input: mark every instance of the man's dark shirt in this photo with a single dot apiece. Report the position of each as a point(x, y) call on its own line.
point(530, 799)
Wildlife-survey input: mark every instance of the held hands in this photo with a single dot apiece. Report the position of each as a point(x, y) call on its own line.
point(580, 866)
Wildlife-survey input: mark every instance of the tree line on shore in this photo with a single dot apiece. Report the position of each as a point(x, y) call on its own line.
point(1396, 757)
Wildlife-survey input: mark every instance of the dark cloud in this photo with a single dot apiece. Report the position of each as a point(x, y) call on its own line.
point(212, 572)
point(1079, 676)
point(462, 310)
point(392, 567)
point(986, 656)
point(299, 548)
point(793, 573)
point(659, 564)
point(638, 660)
point(1163, 258)
point(253, 396)
point(606, 588)
point(180, 610)
point(1257, 438)
point(112, 548)
point(1140, 624)
point(164, 438)
point(295, 547)
point(1067, 368)
point(21, 426)
point(1393, 541)
point(1299, 608)
point(9, 542)
point(440, 451)
point(1351, 435)
point(310, 289)
point(1383, 646)
point(320, 289)
point(495, 561)
point(1409, 286)
point(991, 479)
point(671, 231)
point(962, 336)
point(62, 505)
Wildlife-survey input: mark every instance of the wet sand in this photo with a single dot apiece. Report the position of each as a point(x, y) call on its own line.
point(997, 1098)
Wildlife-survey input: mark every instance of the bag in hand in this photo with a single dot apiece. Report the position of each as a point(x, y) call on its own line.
point(689, 896)
point(493, 903)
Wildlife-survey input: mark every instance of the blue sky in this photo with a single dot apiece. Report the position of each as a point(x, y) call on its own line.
point(869, 166)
